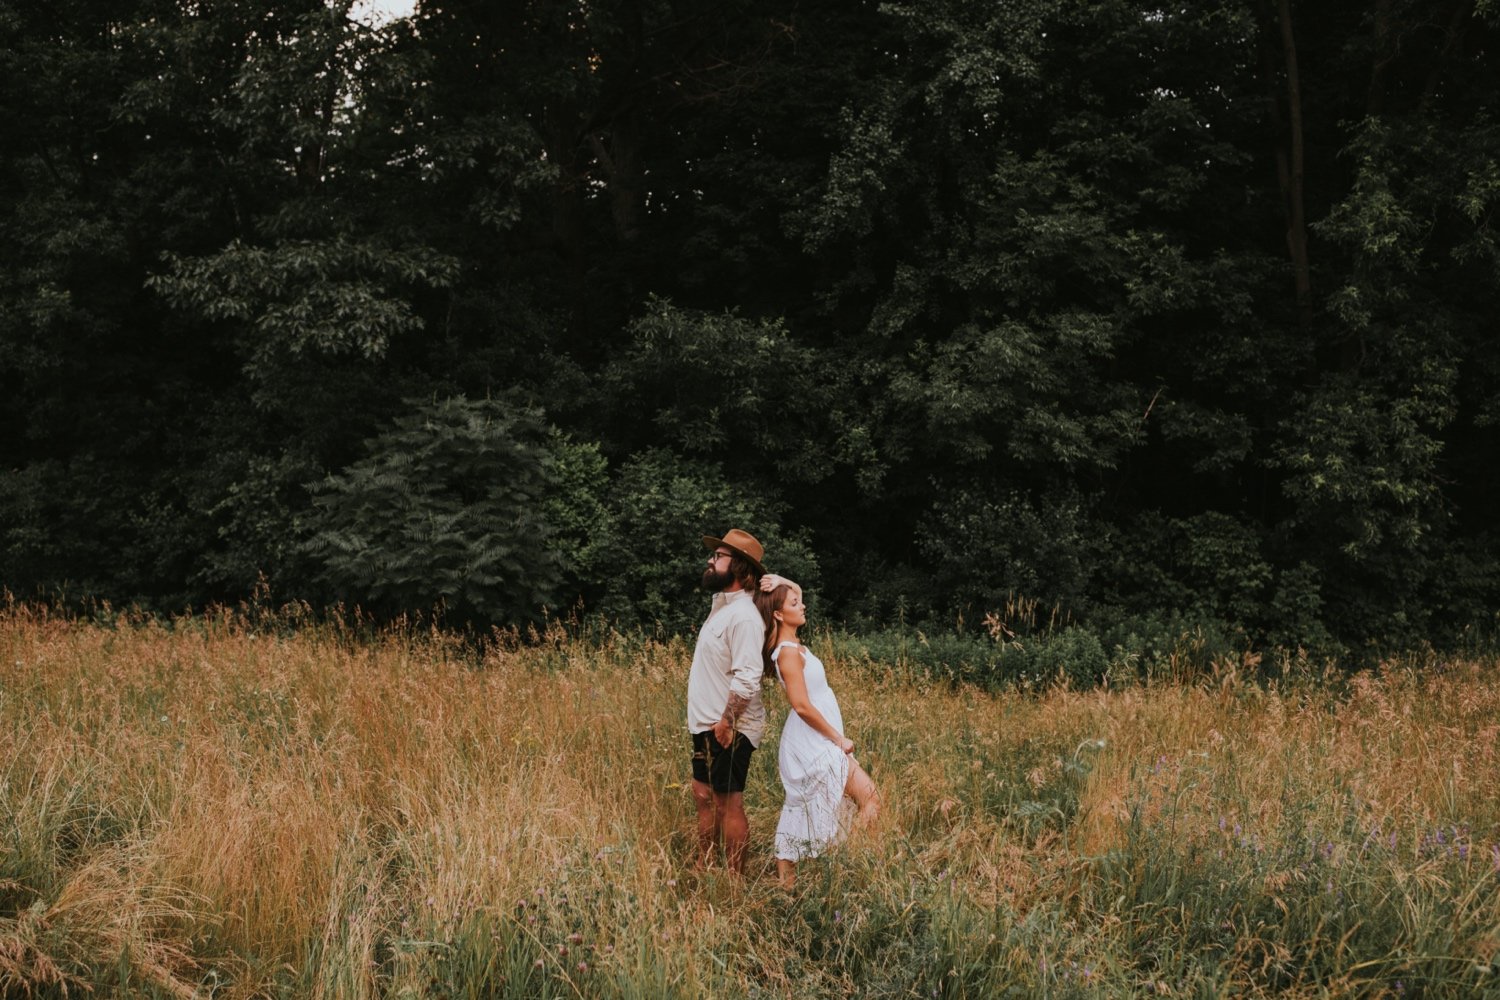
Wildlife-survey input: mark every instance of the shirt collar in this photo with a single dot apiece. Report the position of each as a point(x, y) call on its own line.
point(723, 598)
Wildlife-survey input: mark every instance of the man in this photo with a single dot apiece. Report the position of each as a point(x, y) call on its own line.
point(725, 714)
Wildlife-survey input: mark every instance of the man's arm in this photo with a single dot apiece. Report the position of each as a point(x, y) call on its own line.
point(734, 708)
point(746, 666)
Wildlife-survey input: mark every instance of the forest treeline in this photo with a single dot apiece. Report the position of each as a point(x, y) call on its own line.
point(1143, 312)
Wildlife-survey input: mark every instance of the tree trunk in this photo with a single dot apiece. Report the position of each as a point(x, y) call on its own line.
point(1293, 185)
point(620, 161)
point(1385, 54)
point(1453, 38)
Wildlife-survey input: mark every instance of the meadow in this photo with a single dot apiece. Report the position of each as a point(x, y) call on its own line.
point(251, 804)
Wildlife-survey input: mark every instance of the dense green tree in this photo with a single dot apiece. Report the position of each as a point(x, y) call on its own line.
point(101, 391)
point(1137, 311)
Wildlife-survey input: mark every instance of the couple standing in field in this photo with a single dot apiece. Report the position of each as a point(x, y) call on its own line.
point(751, 629)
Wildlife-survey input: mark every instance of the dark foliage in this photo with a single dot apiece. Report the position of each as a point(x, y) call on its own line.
point(1149, 314)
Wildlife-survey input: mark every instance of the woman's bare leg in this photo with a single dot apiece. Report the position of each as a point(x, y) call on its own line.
point(861, 789)
point(786, 871)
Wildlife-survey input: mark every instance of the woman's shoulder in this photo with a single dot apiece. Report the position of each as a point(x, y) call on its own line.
point(796, 655)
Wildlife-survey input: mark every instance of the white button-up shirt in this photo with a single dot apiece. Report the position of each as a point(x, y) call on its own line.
point(727, 660)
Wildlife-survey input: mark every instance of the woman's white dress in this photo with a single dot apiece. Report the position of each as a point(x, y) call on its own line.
point(813, 769)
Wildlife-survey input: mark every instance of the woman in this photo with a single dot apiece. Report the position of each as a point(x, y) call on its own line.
point(816, 759)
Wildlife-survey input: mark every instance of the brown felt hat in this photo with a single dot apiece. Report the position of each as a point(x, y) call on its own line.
point(739, 541)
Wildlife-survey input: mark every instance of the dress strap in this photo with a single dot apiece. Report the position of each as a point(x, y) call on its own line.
point(777, 651)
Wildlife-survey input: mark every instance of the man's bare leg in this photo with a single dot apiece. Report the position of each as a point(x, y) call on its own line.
point(735, 827)
point(708, 823)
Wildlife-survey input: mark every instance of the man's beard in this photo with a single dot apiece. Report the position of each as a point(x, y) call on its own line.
point(715, 582)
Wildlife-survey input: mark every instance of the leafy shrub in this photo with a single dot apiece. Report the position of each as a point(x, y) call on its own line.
point(1210, 565)
point(1174, 644)
point(1027, 546)
point(1020, 651)
point(578, 511)
point(661, 505)
point(255, 517)
point(948, 654)
point(446, 509)
point(1074, 654)
point(1296, 618)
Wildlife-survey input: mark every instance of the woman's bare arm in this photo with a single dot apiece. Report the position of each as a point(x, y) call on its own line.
point(771, 581)
point(790, 664)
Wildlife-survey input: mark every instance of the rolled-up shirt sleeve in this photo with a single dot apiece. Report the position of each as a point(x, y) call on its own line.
point(746, 666)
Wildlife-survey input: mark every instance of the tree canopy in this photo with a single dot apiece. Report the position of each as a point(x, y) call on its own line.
point(1128, 309)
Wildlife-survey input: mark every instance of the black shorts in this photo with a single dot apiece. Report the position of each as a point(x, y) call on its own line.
point(721, 768)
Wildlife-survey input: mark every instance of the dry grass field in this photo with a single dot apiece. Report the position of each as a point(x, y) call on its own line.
point(254, 805)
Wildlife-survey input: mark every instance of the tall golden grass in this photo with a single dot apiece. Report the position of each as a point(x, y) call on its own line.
point(245, 805)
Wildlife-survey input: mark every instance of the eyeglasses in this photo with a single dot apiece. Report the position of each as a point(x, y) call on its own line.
point(715, 557)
